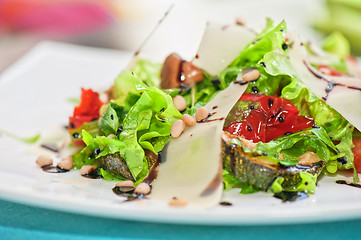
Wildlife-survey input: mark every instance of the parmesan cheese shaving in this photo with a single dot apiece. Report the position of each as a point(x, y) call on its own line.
point(341, 93)
point(191, 165)
point(220, 45)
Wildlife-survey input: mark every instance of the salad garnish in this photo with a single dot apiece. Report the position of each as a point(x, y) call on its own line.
point(257, 111)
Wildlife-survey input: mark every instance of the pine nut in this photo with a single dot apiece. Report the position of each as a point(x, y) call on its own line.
point(177, 128)
point(142, 188)
point(111, 135)
point(188, 120)
point(66, 163)
point(179, 103)
point(126, 183)
point(308, 159)
point(251, 75)
point(178, 202)
point(86, 169)
point(44, 160)
point(201, 114)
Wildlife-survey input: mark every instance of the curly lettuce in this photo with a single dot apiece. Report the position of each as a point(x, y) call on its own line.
point(332, 137)
point(146, 125)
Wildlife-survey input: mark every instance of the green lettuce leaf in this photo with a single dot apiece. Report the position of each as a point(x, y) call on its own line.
point(230, 181)
point(127, 83)
point(337, 44)
point(292, 146)
point(148, 71)
point(145, 126)
point(268, 54)
point(269, 39)
point(307, 184)
point(280, 77)
point(109, 123)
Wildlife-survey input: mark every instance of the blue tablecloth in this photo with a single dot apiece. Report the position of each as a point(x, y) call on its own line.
point(24, 222)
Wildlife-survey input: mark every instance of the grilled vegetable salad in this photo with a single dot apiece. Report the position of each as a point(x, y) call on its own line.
point(279, 137)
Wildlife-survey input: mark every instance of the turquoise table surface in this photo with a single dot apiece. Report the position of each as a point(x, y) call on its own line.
point(19, 221)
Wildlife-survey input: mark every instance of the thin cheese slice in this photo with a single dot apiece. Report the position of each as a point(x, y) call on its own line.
point(344, 97)
point(220, 45)
point(191, 165)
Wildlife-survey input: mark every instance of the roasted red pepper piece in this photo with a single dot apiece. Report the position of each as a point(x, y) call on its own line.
point(88, 109)
point(329, 71)
point(357, 153)
point(254, 128)
point(272, 118)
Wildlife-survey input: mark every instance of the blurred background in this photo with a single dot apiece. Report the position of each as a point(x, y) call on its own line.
point(124, 24)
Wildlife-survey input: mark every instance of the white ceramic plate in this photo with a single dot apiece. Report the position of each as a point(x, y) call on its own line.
point(34, 97)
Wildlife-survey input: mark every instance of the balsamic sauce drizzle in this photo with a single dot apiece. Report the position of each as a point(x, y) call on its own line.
point(331, 84)
point(286, 196)
point(348, 184)
point(53, 169)
point(225, 204)
point(50, 147)
point(128, 192)
point(93, 175)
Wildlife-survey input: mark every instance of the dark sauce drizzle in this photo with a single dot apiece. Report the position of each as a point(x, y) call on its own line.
point(128, 192)
point(53, 169)
point(331, 84)
point(225, 204)
point(211, 120)
point(348, 184)
point(286, 196)
point(342, 160)
point(50, 147)
point(93, 175)
point(240, 82)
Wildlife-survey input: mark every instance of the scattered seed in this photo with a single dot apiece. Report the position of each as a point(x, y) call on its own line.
point(44, 160)
point(201, 114)
point(177, 128)
point(111, 135)
point(126, 183)
point(86, 169)
point(255, 89)
point(126, 186)
point(251, 75)
point(76, 135)
point(179, 103)
point(142, 188)
point(66, 163)
point(97, 151)
point(178, 202)
point(188, 120)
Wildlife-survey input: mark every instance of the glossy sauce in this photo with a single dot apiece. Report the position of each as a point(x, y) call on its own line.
point(53, 169)
point(225, 204)
point(286, 196)
point(331, 85)
point(93, 175)
point(348, 184)
point(50, 147)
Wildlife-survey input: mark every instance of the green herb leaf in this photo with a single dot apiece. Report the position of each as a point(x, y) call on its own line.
point(109, 123)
